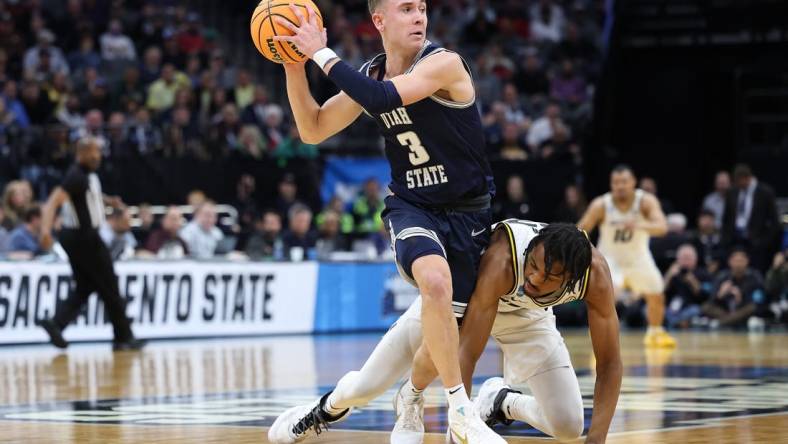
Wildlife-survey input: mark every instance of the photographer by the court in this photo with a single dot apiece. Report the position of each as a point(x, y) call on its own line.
point(687, 286)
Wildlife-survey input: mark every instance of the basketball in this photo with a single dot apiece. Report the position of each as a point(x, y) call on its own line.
point(263, 28)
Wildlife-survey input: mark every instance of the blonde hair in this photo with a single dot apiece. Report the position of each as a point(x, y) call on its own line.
point(12, 213)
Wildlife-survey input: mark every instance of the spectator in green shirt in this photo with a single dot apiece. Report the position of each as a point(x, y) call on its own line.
point(367, 208)
point(336, 205)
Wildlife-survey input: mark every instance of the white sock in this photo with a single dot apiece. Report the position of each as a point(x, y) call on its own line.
point(654, 329)
point(457, 396)
point(410, 390)
point(515, 406)
point(329, 408)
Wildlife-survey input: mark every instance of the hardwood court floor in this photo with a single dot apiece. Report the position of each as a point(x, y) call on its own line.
point(721, 388)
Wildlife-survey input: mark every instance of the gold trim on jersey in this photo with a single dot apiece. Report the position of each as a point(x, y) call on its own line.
point(515, 265)
point(588, 271)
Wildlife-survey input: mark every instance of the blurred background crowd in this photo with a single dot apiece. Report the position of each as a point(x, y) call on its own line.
point(200, 148)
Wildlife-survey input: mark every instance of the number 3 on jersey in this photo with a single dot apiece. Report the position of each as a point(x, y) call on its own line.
point(418, 155)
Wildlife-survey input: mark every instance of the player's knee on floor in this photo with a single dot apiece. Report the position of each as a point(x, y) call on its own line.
point(567, 423)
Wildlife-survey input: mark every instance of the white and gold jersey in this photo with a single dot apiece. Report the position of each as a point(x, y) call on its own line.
point(618, 243)
point(520, 234)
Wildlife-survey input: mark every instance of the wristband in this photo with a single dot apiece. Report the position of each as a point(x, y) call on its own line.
point(324, 56)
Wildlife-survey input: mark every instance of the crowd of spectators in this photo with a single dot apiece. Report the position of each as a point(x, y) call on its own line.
point(151, 80)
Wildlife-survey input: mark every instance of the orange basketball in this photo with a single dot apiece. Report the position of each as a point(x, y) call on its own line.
point(263, 29)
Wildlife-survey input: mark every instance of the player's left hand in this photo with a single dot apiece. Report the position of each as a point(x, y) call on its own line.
point(307, 36)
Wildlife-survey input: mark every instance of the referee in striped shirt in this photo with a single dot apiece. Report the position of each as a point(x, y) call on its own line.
point(83, 206)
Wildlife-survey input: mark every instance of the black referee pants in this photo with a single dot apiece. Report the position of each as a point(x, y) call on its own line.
point(92, 269)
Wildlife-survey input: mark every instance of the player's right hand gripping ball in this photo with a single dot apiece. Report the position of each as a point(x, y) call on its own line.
point(263, 28)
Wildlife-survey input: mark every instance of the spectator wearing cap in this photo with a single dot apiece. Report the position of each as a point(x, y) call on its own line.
point(56, 60)
point(116, 46)
point(736, 294)
point(715, 201)
point(751, 218)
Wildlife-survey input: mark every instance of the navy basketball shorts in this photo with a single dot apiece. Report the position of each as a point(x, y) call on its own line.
point(458, 236)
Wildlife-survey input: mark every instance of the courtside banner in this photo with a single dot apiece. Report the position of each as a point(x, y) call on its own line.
point(166, 299)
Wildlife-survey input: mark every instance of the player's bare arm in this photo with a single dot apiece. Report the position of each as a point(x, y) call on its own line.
point(53, 204)
point(496, 278)
point(604, 330)
point(655, 222)
point(442, 72)
point(316, 123)
point(593, 215)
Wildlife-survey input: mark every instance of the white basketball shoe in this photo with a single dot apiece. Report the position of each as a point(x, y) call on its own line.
point(298, 423)
point(409, 428)
point(489, 403)
point(467, 427)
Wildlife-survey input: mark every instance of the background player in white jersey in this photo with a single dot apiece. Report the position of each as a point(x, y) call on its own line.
point(627, 218)
point(528, 268)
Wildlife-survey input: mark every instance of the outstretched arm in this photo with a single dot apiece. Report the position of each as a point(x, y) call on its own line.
point(443, 71)
point(603, 326)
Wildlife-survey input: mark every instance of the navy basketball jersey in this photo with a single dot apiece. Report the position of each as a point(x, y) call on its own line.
point(435, 146)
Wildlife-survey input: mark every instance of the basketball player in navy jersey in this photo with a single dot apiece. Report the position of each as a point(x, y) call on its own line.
point(422, 98)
